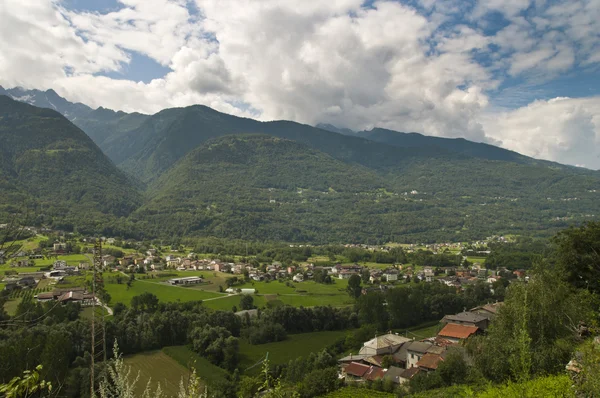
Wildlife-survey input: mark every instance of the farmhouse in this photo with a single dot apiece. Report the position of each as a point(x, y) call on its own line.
point(415, 351)
point(457, 333)
point(68, 295)
point(190, 280)
point(469, 319)
point(386, 344)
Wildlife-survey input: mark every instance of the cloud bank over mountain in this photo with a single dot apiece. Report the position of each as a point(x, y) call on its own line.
point(521, 73)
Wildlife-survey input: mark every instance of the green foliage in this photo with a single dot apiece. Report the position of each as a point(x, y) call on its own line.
point(587, 362)
point(535, 331)
point(578, 255)
point(51, 167)
point(551, 386)
point(354, 288)
point(26, 386)
point(216, 344)
point(246, 302)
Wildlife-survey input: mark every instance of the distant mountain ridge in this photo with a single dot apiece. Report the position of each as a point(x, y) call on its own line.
point(47, 99)
point(207, 173)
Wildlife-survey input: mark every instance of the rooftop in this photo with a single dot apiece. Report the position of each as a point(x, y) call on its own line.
point(357, 369)
point(409, 373)
point(430, 361)
point(419, 346)
point(385, 341)
point(470, 317)
point(458, 331)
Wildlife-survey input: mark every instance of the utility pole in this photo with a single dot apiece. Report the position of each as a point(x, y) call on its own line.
point(97, 286)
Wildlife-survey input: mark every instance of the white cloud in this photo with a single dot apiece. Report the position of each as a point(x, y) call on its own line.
point(316, 61)
point(566, 130)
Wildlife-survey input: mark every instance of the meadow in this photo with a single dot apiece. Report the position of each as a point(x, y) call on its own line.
point(119, 293)
point(296, 345)
point(185, 357)
point(159, 368)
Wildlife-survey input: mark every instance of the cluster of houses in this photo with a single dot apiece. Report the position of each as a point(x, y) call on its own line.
point(399, 359)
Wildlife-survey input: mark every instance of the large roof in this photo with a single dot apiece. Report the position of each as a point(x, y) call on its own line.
point(458, 331)
point(385, 341)
point(357, 369)
point(375, 373)
point(409, 373)
point(419, 346)
point(471, 317)
point(430, 361)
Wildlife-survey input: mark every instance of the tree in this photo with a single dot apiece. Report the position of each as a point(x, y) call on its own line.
point(145, 302)
point(453, 369)
point(247, 302)
point(535, 331)
point(354, 288)
point(577, 252)
point(319, 382)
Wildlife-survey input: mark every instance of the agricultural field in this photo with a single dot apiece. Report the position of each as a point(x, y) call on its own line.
point(119, 293)
point(11, 306)
point(226, 303)
point(188, 359)
point(474, 260)
point(296, 345)
point(355, 392)
point(159, 368)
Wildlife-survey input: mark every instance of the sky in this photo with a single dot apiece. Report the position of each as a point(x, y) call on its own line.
point(520, 74)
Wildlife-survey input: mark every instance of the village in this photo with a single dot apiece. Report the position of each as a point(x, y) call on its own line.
point(399, 359)
point(195, 271)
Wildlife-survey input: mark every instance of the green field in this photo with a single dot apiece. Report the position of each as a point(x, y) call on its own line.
point(354, 392)
point(207, 372)
point(296, 345)
point(120, 293)
point(474, 260)
point(86, 312)
point(227, 303)
point(159, 368)
point(423, 331)
point(11, 306)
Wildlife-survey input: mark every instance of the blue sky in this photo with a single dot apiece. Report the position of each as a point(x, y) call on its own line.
point(522, 74)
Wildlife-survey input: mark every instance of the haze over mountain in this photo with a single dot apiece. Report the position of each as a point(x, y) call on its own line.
point(206, 176)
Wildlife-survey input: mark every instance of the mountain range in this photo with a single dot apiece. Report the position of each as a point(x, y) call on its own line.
point(195, 171)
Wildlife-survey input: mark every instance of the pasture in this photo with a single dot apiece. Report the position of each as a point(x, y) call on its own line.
point(11, 306)
point(157, 367)
point(119, 293)
point(227, 302)
point(296, 345)
point(188, 359)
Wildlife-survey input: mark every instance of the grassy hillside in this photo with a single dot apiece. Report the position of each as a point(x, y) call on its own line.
point(52, 168)
point(156, 367)
point(296, 345)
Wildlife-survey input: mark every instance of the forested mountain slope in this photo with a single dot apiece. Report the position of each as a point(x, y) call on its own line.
point(384, 186)
point(55, 170)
